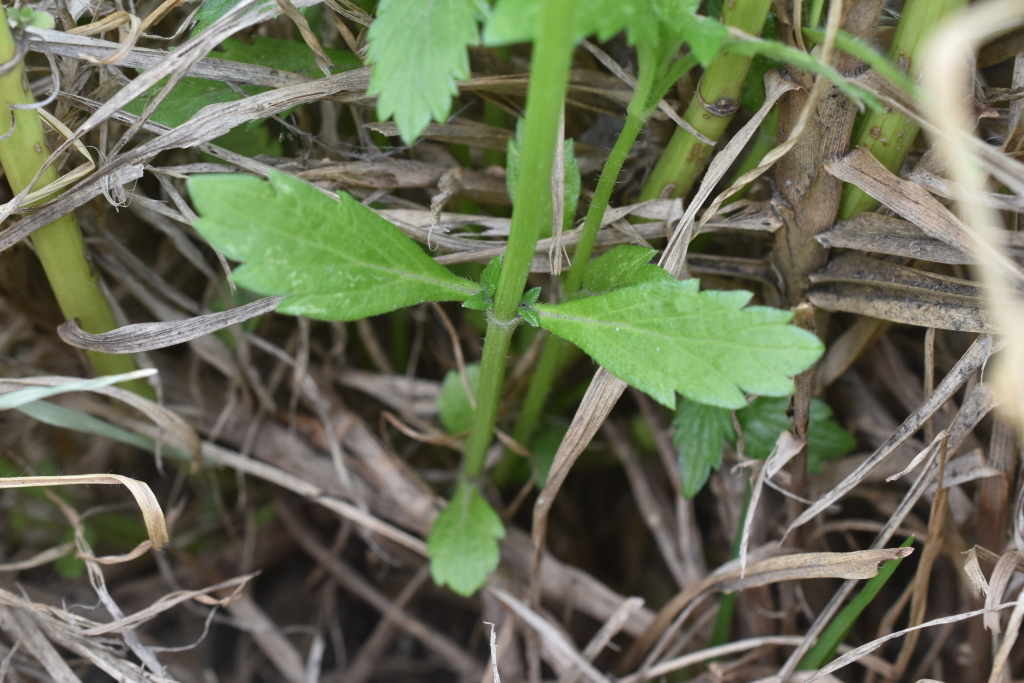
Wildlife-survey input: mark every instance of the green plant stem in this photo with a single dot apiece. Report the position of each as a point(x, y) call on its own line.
point(602, 194)
point(638, 112)
point(59, 245)
point(719, 90)
point(839, 628)
point(891, 136)
point(549, 75)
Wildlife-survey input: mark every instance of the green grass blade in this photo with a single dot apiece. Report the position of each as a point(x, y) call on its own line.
point(840, 627)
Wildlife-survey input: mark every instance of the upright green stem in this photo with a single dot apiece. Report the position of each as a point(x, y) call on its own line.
point(59, 245)
point(891, 136)
point(544, 375)
point(710, 111)
point(545, 97)
point(635, 121)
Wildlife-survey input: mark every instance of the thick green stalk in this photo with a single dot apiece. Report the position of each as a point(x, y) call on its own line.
point(710, 111)
point(544, 375)
point(891, 136)
point(59, 245)
point(545, 97)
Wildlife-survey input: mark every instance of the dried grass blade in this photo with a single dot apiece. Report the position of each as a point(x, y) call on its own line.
point(170, 600)
point(551, 636)
point(152, 514)
point(914, 203)
point(26, 630)
point(948, 79)
point(151, 336)
point(1000, 581)
point(45, 557)
point(974, 358)
point(13, 397)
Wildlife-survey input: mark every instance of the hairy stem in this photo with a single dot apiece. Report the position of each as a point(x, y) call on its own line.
point(891, 136)
point(59, 245)
point(549, 75)
point(710, 111)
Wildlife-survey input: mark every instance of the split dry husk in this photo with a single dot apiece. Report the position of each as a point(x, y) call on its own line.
point(322, 459)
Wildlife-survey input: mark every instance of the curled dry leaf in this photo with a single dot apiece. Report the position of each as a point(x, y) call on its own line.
point(150, 336)
point(152, 514)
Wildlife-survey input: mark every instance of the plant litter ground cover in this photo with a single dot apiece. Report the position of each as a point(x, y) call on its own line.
point(460, 340)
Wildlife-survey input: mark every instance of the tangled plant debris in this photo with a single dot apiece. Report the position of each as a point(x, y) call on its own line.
point(390, 268)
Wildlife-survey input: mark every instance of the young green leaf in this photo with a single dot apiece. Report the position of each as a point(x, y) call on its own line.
point(764, 419)
point(699, 434)
point(664, 337)
point(526, 311)
point(463, 543)
point(418, 49)
point(453, 406)
point(623, 266)
point(333, 260)
point(489, 278)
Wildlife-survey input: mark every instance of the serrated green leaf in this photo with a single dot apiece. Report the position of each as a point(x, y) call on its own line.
point(463, 543)
point(764, 419)
point(664, 337)
point(623, 266)
point(333, 260)
point(453, 406)
point(699, 434)
point(418, 49)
